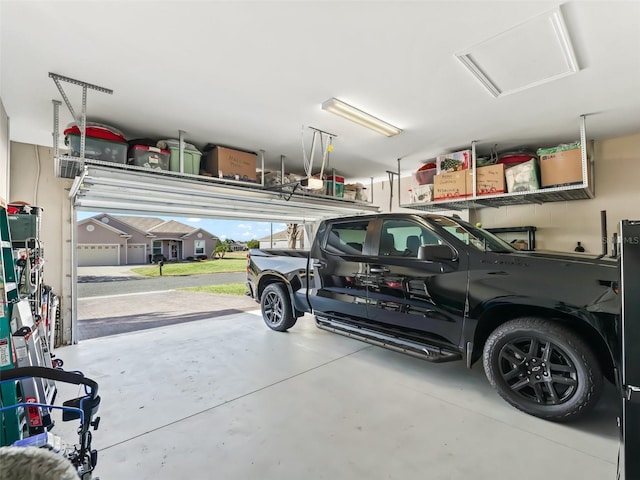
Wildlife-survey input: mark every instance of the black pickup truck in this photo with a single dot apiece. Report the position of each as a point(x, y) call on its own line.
point(545, 325)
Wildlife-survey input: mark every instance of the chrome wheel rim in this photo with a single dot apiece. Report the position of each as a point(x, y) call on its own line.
point(273, 308)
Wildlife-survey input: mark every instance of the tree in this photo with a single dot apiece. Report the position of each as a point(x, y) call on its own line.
point(253, 243)
point(221, 249)
point(293, 233)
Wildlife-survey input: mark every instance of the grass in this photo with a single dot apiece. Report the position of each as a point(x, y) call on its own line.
point(227, 289)
point(230, 263)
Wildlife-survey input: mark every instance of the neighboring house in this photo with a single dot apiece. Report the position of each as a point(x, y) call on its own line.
point(238, 247)
point(122, 240)
point(280, 240)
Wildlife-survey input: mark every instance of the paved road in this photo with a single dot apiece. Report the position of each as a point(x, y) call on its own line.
point(89, 286)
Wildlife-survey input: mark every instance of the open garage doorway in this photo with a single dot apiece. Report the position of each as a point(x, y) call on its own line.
point(119, 286)
point(137, 271)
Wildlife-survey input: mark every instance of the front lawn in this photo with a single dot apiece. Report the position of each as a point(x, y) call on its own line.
point(228, 289)
point(222, 265)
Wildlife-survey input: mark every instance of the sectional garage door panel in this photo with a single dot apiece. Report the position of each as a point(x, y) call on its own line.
point(93, 255)
point(136, 254)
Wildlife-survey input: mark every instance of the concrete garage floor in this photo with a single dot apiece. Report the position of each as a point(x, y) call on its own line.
point(228, 399)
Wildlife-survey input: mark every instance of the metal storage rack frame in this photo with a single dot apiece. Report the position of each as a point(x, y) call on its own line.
point(581, 191)
point(89, 173)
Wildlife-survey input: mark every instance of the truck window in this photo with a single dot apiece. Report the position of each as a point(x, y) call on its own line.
point(474, 236)
point(346, 238)
point(402, 238)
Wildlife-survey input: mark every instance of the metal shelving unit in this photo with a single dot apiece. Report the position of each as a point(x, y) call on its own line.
point(582, 191)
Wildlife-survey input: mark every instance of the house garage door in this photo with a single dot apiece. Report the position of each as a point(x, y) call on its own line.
point(89, 255)
point(136, 254)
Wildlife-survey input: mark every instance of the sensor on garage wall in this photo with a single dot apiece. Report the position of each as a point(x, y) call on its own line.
point(530, 54)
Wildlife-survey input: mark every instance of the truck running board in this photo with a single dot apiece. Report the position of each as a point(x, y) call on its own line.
point(425, 351)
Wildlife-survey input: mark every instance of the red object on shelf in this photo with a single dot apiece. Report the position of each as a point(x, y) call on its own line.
point(97, 132)
point(513, 159)
point(425, 173)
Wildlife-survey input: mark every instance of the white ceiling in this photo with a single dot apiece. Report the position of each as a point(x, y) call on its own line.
point(251, 74)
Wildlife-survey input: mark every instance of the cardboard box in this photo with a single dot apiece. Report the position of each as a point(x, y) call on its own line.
point(452, 185)
point(561, 168)
point(490, 179)
point(452, 162)
point(225, 162)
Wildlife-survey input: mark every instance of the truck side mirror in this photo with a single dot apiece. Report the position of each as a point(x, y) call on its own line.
point(436, 252)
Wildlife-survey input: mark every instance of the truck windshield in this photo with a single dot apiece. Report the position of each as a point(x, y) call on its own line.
point(474, 236)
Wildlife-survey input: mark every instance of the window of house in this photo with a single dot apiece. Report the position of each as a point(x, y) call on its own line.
point(199, 246)
point(157, 248)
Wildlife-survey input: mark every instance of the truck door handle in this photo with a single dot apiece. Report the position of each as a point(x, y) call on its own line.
point(319, 264)
point(379, 270)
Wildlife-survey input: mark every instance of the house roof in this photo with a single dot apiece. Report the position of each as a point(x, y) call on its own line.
point(96, 221)
point(277, 236)
point(143, 224)
point(171, 226)
point(151, 226)
point(199, 229)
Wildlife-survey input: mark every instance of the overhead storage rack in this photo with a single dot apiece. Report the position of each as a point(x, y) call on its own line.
point(581, 191)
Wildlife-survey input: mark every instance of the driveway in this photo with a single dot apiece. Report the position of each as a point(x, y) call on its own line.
point(114, 300)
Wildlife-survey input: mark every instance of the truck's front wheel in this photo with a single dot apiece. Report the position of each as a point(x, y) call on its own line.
point(276, 308)
point(543, 369)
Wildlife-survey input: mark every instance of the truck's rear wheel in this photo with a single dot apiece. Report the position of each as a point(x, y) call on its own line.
point(277, 312)
point(543, 369)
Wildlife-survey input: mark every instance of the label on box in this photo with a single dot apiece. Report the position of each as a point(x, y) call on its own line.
point(5, 353)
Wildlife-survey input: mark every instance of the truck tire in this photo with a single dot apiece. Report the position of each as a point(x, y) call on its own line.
point(276, 308)
point(543, 369)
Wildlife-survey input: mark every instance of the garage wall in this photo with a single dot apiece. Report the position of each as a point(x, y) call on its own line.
point(561, 224)
point(4, 153)
point(32, 180)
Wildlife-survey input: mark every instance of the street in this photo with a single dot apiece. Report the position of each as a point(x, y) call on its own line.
point(94, 286)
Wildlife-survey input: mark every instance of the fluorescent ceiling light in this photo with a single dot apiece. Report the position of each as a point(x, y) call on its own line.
point(345, 110)
point(530, 54)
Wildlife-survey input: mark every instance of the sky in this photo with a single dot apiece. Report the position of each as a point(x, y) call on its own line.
point(238, 230)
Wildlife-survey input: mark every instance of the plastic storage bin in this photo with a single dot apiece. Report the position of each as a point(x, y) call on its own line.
point(100, 144)
point(149, 157)
point(192, 156)
point(425, 174)
point(339, 182)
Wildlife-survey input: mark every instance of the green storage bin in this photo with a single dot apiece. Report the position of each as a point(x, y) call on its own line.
point(191, 160)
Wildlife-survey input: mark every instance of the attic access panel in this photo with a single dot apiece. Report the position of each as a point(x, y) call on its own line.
point(530, 54)
point(106, 189)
